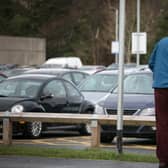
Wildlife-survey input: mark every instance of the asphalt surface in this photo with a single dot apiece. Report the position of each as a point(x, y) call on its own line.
point(38, 162)
point(75, 142)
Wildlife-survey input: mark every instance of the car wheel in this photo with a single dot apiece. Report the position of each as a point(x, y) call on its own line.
point(34, 129)
point(107, 138)
point(85, 129)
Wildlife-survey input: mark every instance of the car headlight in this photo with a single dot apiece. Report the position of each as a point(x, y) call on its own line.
point(99, 109)
point(147, 112)
point(17, 108)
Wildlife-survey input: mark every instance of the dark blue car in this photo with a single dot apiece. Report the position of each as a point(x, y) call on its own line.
point(138, 100)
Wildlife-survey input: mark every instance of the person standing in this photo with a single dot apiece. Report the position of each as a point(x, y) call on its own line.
point(158, 63)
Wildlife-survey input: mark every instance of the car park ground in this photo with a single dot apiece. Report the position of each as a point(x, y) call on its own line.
point(73, 140)
point(38, 162)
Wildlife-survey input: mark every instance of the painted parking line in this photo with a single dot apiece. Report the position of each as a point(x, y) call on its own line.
point(142, 147)
point(61, 141)
point(78, 141)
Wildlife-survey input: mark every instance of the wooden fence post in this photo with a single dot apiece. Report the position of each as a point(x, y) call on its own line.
point(95, 130)
point(7, 131)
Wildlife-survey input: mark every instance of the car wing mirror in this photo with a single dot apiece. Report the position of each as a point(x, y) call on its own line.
point(47, 96)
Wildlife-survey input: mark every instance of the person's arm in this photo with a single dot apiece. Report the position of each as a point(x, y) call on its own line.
point(152, 58)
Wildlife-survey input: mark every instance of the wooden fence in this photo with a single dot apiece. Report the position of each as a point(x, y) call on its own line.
point(95, 122)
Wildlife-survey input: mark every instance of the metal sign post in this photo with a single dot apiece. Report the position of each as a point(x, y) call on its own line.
point(121, 75)
point(138, 30)
point(116, 34)
point(114, 45)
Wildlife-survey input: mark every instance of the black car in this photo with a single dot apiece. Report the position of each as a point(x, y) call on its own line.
point(75, 76)
point(42, 93)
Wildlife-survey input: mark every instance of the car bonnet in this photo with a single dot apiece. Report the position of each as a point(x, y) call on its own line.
point(130, 101)
point(7, 102)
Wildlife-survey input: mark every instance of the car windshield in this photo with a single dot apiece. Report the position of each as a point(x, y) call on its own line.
point(137, 84)
point(20, 88)
point(99, 83)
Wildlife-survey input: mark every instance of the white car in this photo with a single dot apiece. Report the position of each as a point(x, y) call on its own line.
point(69, 62)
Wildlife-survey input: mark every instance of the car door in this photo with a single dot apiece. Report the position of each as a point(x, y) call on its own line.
point(54, 98)
point(75, 98)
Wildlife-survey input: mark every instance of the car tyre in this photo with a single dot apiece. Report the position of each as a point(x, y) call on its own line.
point(107, 138)
point(85, 129)
point(34, 129)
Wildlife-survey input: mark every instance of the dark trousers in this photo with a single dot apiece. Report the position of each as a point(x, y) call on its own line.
point(161, 107)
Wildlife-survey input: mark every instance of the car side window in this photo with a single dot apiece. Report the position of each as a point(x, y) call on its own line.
point(67, 76)
point(7, 89)
point(78, 77)
point(141, 83)
point(56, 88)
point(72, 91)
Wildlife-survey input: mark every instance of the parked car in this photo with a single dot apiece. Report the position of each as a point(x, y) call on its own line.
point(74, 76)
point(42, 93)
point(16, 71)
point(4, 67)
point(99, 85)
point(65, 62)
point(138, 99)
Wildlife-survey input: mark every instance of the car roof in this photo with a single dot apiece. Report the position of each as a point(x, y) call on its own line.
point(107, 72)
point(142, 71)
point(33, 76)
point(91, 66)
point(59, 70)
point(54, 71)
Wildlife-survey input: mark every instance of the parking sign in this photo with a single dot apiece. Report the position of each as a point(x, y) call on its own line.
point(139, 43)
point(115, 47)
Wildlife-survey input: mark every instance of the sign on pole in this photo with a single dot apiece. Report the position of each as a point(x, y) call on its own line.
point(115, 47)
point(139, 43)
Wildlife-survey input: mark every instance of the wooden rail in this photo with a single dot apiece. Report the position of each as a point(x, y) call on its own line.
point(95, 122)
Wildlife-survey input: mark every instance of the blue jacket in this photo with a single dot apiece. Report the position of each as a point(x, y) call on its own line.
point(158, 63)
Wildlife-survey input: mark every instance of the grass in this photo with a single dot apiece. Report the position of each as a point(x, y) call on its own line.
point(92, 154)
